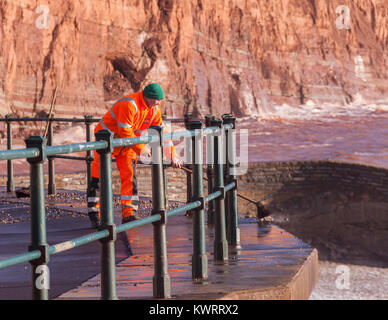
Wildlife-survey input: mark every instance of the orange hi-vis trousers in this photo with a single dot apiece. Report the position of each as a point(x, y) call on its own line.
point(129, 117)
point(126, 164)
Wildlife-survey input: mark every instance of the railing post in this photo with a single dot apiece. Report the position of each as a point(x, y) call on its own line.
point(108, 263)
point(40, 272)
point(220, 242)
point(89, 153)
point(199, 258)
point(161, 279)
point(51, 166)
point(10, 183)
point(224, 170)
point(164, 118)
point(233, 230)
point(188, 116)
point(210, 169)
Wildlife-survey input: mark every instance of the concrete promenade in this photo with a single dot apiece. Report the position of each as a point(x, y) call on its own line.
point(271, 264)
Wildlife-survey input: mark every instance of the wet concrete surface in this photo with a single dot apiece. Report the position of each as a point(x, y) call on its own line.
point(66, 219)
point(267, 262)
point(261, 269)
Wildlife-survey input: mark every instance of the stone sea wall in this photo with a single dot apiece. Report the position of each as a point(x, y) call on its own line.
point(339, 208)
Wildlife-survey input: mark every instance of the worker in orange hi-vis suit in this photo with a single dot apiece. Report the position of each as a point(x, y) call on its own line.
point(131, 116)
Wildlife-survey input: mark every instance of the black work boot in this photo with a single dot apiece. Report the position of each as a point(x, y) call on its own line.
point(94, 220)
point(93, 202)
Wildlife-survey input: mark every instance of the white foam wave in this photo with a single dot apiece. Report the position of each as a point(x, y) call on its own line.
point(325, 111)
point(371, 153)
point(74, 134)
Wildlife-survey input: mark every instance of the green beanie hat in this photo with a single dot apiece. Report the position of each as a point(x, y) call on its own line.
point(154, 91)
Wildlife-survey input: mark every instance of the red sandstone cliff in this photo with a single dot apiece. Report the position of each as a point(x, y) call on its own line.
point(211, 56)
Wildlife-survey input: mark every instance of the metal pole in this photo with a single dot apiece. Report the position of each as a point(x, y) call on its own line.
point(40, 272)
point(51, 166)
point(10, 183)
point(225, 171)
point(210, 169)
point(89, 153)
point(233, 227)
point(188, 116)
point(108, 263)
point(161, 279)
point(220, 242)
point(164, 118)
point(199, 259)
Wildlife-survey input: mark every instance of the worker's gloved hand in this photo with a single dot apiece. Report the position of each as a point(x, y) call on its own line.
point(145, 155)
point(176, 163)
point(147, 152)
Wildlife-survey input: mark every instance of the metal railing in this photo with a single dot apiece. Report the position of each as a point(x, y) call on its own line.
point(223, 195)
point(88, 120)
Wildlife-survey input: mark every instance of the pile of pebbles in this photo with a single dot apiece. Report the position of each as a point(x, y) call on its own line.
point(11, 212)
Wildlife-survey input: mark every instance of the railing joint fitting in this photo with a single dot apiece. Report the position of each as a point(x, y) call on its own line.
point(89, 159)
point(202, 200)
point(88, 118)
point(222, 190)
point(39, 143)
point(8, 118)
point(158, 132)
point(44, 254)
point(216, 123)
point(163, 216)
point(228, 118)
point(195, 125)
point(105, 135)
point(208, 119)
point(111, 228)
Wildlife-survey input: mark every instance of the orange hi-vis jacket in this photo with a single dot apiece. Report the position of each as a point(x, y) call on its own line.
point(126, 119)
point(129, 117)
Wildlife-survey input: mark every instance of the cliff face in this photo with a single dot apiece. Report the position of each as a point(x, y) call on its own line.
point(210, 56)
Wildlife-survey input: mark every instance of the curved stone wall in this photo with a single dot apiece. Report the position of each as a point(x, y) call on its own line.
point(339, 208)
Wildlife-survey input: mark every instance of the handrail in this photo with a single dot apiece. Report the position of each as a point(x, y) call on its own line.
point(38, 119)
point(70, 244)
point(19, 153)
point(20, 258)
point(75, 147)
point(96, 145)
point(222, 192)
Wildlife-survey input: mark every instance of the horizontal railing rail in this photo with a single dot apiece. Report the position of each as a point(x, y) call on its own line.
point(222, 193)
point(53, 119)
point(70, 244)
point(87, 120)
